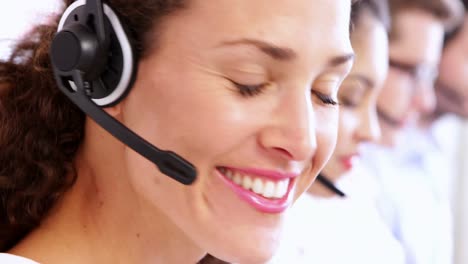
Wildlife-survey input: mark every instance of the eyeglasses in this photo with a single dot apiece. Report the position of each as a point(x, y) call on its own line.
point(418, 72)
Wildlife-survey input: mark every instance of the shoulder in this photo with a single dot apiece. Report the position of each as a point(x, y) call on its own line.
point(12, 259)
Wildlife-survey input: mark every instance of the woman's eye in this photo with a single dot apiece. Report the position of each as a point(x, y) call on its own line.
point(351, 93)
point(348, 102)
point(326, 99)
point(249, 90)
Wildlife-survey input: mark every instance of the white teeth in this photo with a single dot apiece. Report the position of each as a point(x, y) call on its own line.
point(281, 188)
point(228, 174)
point(237, 179)
point(269, 189)
point(266, 188)
point(247, 183)
point(257, 186)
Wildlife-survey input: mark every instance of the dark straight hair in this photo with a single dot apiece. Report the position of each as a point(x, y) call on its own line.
point(378, 8)
point(453, 33)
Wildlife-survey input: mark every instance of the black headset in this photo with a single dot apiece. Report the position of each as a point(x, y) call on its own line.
point(327, 183)
point(94, 65)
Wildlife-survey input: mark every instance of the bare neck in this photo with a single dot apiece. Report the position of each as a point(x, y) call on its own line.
point(103, 220)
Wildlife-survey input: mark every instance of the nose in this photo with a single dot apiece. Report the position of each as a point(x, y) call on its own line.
point(424, 99)
point(369, 128)
point(291, 133)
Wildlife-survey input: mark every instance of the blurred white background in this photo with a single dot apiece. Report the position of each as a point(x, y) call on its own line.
point(17, 16)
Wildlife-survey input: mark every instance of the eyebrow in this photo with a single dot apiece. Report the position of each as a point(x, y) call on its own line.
point(284, 53)
point(275, 52)
point(340, 60)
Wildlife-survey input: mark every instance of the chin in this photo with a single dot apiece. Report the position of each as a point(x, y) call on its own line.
point(250, 250)
point(388, 140)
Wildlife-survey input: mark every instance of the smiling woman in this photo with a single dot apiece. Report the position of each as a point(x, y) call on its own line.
point(245, 91)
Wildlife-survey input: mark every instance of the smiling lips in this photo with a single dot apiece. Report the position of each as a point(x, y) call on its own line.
point(350, 161)
point(266, 191)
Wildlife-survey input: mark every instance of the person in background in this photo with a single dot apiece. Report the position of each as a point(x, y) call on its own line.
point(411, 198)
point(333, 224)
point(442, 129)
point(244, 90)
point(408, 93)
point(451, 87)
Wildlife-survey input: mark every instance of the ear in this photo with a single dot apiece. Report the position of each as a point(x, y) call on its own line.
point(114, 111)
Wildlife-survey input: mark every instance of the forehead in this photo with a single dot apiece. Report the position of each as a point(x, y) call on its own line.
point(303, 25)
point(417, 37)
point(370, 43)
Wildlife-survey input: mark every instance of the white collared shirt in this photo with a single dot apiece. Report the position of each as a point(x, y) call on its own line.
point(13, 259)
point(413, 197)
point(336, 231)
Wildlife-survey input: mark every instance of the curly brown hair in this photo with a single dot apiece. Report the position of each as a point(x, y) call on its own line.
point(40, 129)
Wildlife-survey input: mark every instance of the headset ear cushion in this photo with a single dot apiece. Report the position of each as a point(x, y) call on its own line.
point(112, 82)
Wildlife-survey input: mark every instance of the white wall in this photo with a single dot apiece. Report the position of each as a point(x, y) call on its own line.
point(17, 16)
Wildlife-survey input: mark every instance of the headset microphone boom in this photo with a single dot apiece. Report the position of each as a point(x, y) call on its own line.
point(94, 66)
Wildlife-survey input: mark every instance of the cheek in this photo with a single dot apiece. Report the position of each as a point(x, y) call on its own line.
point(346, 129)
point(395, 96)
point(189, 117)
point(389, 135)
point(327, 133)
point(348, 122)
point(454, 72)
